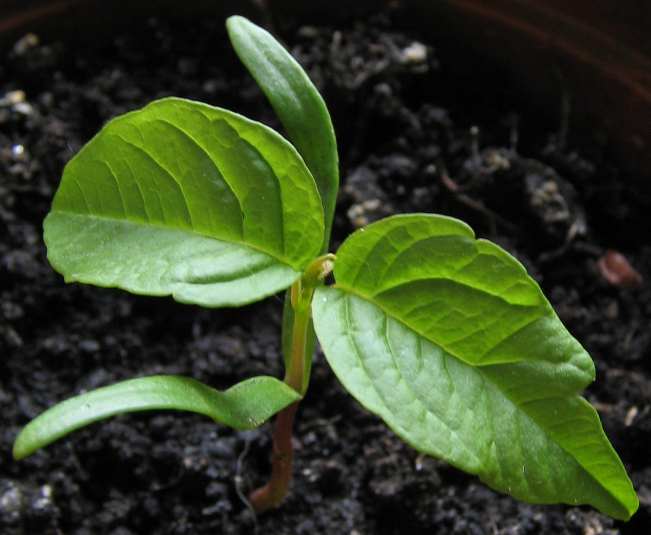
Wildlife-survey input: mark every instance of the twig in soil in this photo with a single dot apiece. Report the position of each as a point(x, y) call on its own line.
point(320, 422)
point(629, 337)
point(577, 227)
point(630, 416)
point(493, 527)
point(478, 168)
point(239, 483)
point(593, 250)
point(492, 217)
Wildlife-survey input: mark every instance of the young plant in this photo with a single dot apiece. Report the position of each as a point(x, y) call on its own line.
point(443, 336)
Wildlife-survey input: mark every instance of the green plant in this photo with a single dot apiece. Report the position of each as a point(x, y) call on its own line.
point(444, 336)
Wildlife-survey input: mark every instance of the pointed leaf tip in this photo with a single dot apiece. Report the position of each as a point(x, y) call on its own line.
point(456, 348)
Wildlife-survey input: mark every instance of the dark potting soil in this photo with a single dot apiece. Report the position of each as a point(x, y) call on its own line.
point(418, 130)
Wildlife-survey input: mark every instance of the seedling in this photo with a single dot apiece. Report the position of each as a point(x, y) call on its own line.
point(442, 335)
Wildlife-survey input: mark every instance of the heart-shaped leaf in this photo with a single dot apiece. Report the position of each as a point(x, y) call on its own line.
point(243, 406)
point(186, 199)
point(456, 348)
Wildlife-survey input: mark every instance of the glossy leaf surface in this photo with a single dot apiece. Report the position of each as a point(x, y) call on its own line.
point(186, 199)
point(297, 103)
point(305, 116)
point(456, 348)
point(243, 406)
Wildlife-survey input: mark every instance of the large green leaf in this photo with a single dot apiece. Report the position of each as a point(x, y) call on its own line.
point(297, 103)
point(456, 348)
point(243, 406)
point(186, 199)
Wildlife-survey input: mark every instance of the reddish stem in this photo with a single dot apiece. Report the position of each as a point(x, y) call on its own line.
point(274, 492)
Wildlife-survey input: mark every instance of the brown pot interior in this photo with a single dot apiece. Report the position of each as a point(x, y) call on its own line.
point(592, 54)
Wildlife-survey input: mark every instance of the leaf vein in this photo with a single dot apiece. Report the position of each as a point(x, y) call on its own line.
point(171, 175)
point(198, 144)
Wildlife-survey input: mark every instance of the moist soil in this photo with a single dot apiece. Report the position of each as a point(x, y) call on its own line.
point(419, 129)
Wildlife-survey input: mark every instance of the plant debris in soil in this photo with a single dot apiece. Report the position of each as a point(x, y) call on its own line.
point(419, 129)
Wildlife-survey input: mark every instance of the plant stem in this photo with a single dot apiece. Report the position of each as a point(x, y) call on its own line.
point(275, 491)
point(301, 322)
